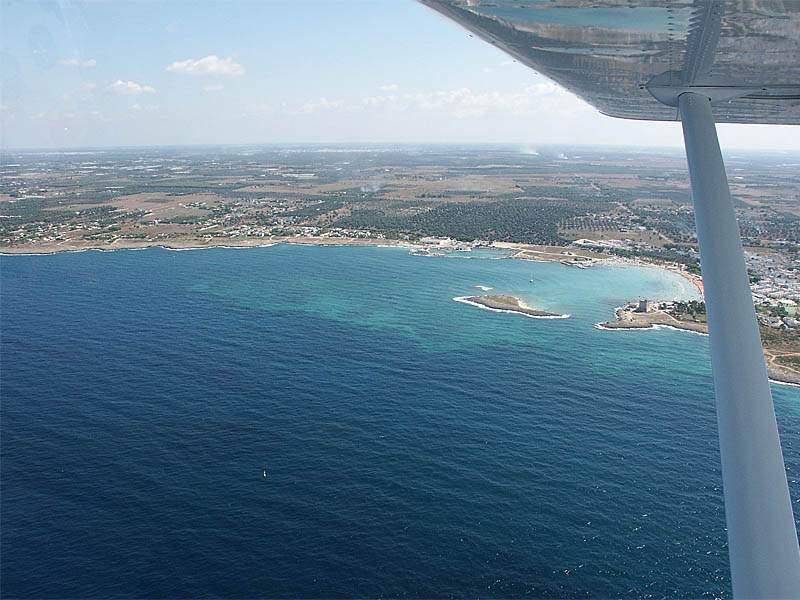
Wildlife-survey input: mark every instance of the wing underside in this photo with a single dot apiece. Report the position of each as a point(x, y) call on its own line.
point(609, 52)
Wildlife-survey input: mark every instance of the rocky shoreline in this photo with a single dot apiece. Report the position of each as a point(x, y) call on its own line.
point(628, 319)
point(505, 303)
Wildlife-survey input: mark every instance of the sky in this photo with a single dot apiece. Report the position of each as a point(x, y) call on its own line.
point(131, 73)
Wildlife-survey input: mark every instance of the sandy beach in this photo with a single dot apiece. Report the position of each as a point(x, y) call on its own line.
point(198, 244)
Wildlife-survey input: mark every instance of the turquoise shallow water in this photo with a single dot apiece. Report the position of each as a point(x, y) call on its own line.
point(415, 446)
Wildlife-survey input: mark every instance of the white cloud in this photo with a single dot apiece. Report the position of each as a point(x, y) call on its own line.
point(323, 104)
point(260, 108)
point(541, 98)
point(390, 87)
point(77, 62)
point(216, 87)
point(209, 65)
point(130, 88)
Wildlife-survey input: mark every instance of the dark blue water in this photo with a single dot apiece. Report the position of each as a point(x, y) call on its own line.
point(415, 446)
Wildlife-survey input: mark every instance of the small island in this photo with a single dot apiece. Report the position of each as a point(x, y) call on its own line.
point(780, 333)
point(506, 303)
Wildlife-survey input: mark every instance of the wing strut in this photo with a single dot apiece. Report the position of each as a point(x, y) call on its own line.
point(762, 539)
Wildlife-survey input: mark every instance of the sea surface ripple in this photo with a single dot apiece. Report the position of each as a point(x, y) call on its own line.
point(413, 446)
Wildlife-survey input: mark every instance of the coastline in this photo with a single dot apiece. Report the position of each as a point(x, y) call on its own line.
point(47, 249)
point(624, 319)
point(695, 280)
point(651, 327)
point(520, 251)
point(660, 320)
point(777, 373)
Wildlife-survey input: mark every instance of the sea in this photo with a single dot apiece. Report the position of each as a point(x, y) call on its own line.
point(327, 422)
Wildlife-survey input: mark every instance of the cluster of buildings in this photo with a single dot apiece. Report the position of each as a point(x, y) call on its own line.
point(776, 288)
point(250, 230)
point(775, 282)
point(779, 322)
point(48, 232)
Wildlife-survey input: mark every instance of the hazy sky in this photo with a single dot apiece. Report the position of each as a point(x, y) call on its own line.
point(179, 72)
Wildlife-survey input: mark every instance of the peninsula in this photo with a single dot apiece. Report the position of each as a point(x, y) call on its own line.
point(780, 334)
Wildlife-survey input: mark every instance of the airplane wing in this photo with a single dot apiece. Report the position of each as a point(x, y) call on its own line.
point(609, 51)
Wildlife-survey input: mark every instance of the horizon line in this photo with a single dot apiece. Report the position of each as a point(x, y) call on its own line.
point(62, 149)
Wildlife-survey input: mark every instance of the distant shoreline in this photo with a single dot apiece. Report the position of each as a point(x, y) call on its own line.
point(47, 249)
point(520, 251)
point(529, 252)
